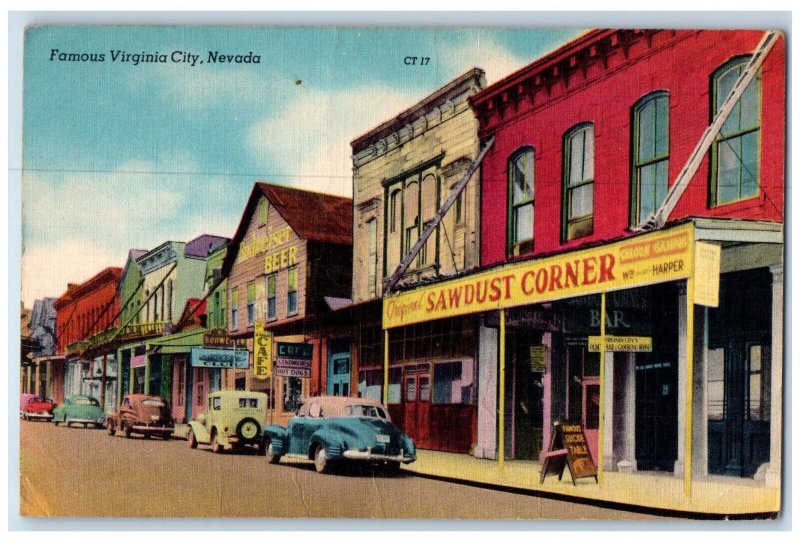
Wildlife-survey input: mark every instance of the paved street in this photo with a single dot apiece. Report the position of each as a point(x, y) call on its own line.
point(84, 472)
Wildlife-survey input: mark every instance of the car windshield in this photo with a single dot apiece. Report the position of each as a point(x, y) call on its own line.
point(369, 411)
point(153, 402)
point(86, 401)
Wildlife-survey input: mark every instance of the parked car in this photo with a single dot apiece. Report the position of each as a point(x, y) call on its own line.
point(79, 409)
point(333, 429)
point(143, 414)
point(232, 419)
point(36, 407)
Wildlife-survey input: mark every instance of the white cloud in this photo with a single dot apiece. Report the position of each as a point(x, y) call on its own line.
point(493, 58)
point(310, 137)
point(46, 269)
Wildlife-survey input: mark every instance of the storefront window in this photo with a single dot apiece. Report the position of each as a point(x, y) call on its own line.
point(453, 382)
point(716, 384)
point(292, 394)
point(759, 384)
point(395, 378)
point(369, 383)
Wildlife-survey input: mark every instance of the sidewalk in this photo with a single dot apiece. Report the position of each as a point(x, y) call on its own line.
point(716, 495)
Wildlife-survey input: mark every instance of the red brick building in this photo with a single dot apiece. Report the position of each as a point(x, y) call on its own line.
point(589, 139)
point(83, 311)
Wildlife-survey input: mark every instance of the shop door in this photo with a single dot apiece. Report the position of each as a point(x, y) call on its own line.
point(656, 414)
point(524, 392)
point(339, 367)
point(590, 413)
point(416, 407)
point(739, 402)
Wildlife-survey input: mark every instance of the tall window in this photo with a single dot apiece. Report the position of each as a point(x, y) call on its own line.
point(520, 202)
point(272, 310)
point(413, 202)
point(291, 296)
point(650, 155)
point(155, 306)
point(251, 302)
point(372, 255)
point(263, 211)
point(170, 291)
point(578, 196)
point(734, 153)
point(235, 308)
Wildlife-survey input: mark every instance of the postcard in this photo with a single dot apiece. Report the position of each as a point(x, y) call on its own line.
point(520, 272)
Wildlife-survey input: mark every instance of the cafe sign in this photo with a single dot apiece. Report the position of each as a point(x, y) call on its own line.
point(294, 360)
point(262, 352)
point(637, 261)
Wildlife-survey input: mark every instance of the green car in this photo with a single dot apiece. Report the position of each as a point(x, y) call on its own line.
point(331, 430)
point(232, 419)
point(80, 409)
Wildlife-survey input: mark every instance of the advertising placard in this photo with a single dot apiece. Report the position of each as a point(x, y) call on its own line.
point(224, 358)
point(616, 343)
point(262, 352)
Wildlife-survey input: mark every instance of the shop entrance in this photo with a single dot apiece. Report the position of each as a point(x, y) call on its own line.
point(417, 404)
point(583, 391)
point(524, 394)
point(739, 376)
point(339, 367)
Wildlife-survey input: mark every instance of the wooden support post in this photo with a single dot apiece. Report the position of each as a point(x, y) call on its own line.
point(386, 367)
point(687, 460)
point(602, 416)
point(103, 382)
point(501, 399)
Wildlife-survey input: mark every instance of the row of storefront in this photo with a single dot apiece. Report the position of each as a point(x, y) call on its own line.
point(536, 298)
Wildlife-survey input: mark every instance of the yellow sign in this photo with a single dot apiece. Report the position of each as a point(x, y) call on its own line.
point(262, 243)
point(637, 261)
point(621, 344)
point(262, 352)
point(538, 358)
point(280, 259)
point(706, 278)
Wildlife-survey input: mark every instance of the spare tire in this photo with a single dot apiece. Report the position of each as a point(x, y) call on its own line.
point(248, 430)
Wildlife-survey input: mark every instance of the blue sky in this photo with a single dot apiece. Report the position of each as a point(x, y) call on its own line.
point(119, 156)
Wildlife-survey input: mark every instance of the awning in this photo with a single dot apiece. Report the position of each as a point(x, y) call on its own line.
point(178, 343)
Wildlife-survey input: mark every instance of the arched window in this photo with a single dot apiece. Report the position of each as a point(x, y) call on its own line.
point(578, 186)
point(650, 158)
point(735, 150)
point(429, 202)
point(520, 202)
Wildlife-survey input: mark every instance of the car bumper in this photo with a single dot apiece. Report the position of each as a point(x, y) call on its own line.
point(151, 429)
point(42, 415)
point(86, 420)
point(369, 456)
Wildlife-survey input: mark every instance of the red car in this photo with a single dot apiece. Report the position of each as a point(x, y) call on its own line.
point(37, 407)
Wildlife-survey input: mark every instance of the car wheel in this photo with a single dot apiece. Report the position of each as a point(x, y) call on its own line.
point(55, 421)
point(248, 429)
point(191, 439)
point(25, 416)
point(216, 447)
point(272, 457)
point(146, 435)
point(67, 422)
point(321, 461)
point(261, 449)
point(110, 427)
point(126, 429)
point(392, 466)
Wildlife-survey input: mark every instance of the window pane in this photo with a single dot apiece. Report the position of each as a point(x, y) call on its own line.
point(716, 384)
point(582, 201)
point(647, 192)
point(728, 171)
point(429, 203)
point(292, 278)
point(662, 181)
point(271, 286)
point(647, 131)
point(424, 388)
point(662, 126)
point(523, 218)
point(749, 155)
point(411, 389)
point(411, 202)
point(522, 177)
point(750, 105)
point(576, 159)
point(754, 410)
point(588, 154)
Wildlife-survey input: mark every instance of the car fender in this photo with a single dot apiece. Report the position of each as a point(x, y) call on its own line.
point(334, 443)
point(409, 447)
point(200, 432)
point(278, 436)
